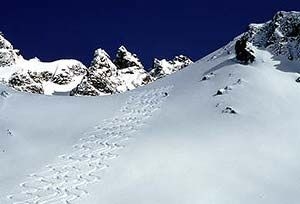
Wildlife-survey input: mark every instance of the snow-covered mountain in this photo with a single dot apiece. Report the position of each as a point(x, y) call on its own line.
point(107, 77)
point(163, 67)
point(8, 55)
point(219, 131)
point(281, 35)
point(71, 77)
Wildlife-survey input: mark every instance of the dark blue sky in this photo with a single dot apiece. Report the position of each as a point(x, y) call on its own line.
point(69, 29)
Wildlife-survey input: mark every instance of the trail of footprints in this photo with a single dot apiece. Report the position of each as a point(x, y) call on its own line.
point(67, 179)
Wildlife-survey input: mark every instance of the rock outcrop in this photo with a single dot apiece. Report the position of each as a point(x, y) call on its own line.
point(101, 77)
point(8, 55)
point(243, 51)
point(44, 78)
point(165, 67)
point(281, 35)
point(104, 76)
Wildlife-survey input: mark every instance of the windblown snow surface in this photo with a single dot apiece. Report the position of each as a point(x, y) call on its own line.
point(232, 138)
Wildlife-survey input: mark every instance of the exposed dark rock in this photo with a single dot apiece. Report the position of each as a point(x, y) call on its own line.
point(223, 91)
point(243, 53)
point(62, 78)
point(207, 76)
point(85, 89)
point(281, 35)
point(8, 54)
point(125, 59)
point(229, 110)
point(23, 82)
point(161, 68)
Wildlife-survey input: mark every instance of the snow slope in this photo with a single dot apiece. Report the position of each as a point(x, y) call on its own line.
point(215, 132)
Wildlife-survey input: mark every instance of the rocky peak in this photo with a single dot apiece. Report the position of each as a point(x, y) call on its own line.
point(106, 77)
point(281, 35)
point(8, 55)
point(165, 67)
point(101, 78)
point(125, 59)
point(5, 44)
point(182, 61)
point(102, 61)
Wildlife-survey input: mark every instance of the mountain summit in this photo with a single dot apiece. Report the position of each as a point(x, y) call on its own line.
point(281, 35)
point(104, 76)
point(8, 55)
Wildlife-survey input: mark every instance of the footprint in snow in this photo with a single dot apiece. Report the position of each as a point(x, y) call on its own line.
point(71, 173)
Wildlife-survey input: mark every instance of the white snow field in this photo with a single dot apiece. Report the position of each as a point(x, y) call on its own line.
point(230, 139)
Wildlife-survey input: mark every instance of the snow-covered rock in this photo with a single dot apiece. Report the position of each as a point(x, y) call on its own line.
point(125, 59)
point(106, 77)
point(101, 77)
point(164, 67)
point(35, 76)
point(22, 81)
point(130, 69)
point(71, 77)
point(281, 35)
point(57, 76)
point(8, 55)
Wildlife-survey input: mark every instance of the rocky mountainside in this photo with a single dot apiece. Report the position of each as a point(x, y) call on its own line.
point(281, 35)
point(164, 67)
point(8, 55)
point(105, 76)
point(70, 77)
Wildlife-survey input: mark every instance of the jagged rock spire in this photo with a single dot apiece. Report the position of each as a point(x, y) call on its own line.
point(125, 59)
point(102, 61)
point(8, 55)
point(101, 77)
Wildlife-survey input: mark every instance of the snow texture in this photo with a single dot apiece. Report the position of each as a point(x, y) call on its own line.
point(172, 141)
